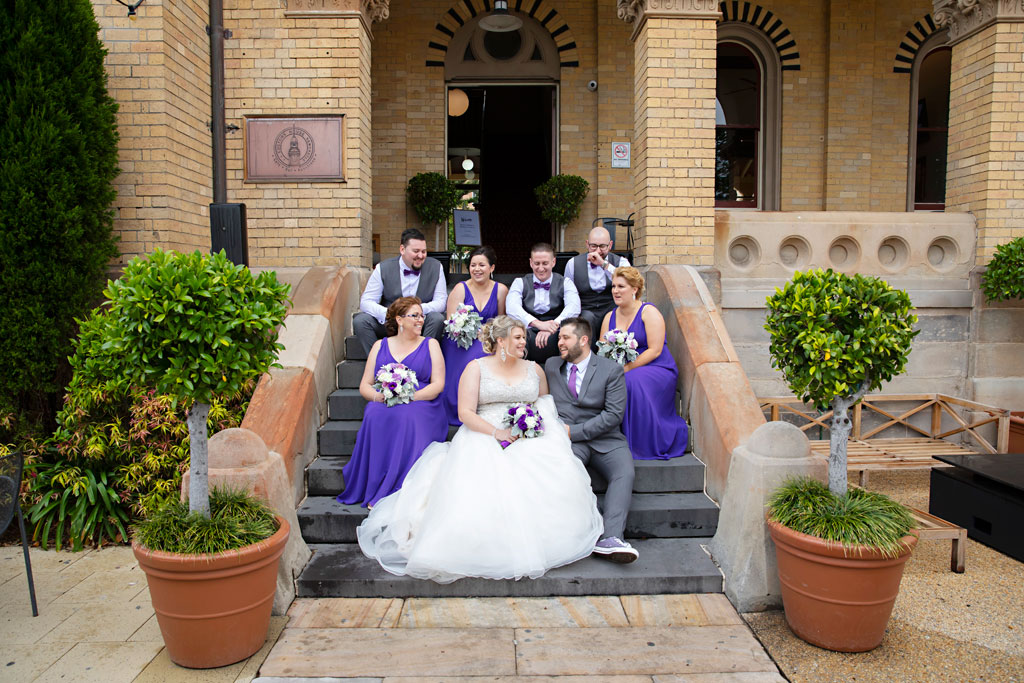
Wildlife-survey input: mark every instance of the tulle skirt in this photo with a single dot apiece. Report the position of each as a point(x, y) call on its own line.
point(471, 508)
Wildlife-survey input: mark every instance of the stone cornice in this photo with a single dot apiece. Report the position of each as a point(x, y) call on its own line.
point(636, 12)
point(964, 18)
point(369, 11)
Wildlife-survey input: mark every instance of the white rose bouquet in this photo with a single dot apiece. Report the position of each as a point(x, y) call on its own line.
point(397, 382)
point(618, 345)
point(523, 419)
point(463, 326)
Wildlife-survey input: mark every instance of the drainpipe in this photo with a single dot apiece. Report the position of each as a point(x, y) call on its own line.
point(217, 35)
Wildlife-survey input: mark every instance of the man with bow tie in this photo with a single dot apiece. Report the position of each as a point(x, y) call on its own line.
point(411, 273)
point(591, 272)
point(542, 301)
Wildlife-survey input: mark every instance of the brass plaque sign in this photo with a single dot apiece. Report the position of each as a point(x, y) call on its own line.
point(294, 149)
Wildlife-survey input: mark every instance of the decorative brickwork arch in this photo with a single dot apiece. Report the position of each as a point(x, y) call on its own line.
point(923, 29)
point(461, 13)
point(768, 23)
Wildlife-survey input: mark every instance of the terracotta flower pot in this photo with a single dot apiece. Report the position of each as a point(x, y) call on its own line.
point(834, 600)
point(214, 610)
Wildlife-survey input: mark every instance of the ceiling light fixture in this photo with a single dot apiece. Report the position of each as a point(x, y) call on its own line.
point(499, 20)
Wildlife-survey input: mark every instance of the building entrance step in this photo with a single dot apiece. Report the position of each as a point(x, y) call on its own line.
point(665, 566)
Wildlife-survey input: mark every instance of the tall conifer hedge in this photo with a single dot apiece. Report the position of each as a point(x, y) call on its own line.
point(58, 156)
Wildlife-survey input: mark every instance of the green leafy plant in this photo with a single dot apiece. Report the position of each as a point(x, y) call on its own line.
point(192, 327)
point(432, 196)
point(858, 518)
point(236, 520)
point(58, 134)
point(1004, 276)
point(560, 198)
point(835, 337)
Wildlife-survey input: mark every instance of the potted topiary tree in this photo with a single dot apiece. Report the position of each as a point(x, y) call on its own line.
point(433, 197)
point(560, 198)
point(193, 327)
point(840, 552)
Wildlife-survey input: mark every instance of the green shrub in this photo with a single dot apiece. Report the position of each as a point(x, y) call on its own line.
point(1004, 276)
point(432, 196)
point(835, 337)
point(856, 518)
point(59, 140)
point(561, 197)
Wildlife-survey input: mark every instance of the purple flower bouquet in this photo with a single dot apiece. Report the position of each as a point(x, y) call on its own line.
point(397, 382)
point(463, 326)
point(618, 345)
point(523, 420)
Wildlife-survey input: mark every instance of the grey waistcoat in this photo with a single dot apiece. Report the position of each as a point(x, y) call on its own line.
point(556, 298)
point(581, 275)
point(391, 278)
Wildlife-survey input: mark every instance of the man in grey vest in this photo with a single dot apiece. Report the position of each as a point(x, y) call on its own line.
point(411, 273)
point(592, 274)
point(542, 301)
point(590, 394)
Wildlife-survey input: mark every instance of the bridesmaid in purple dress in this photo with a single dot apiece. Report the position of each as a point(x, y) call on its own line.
point(652, 427)
point(478, 288)
point(392, 438)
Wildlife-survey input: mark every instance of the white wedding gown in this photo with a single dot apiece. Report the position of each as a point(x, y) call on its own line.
point(470, 508)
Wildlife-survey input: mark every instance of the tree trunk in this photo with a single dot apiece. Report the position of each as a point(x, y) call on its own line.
point(199, 480)
point(839, 434)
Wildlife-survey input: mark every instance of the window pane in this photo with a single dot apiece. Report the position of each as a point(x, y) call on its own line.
point(736, 165)
point(930, 171)
point(738, 86)
point(933, 90)
point(932, 129)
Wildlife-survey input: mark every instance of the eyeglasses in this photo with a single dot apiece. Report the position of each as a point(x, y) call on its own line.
point(414, 316)
point(598, 246)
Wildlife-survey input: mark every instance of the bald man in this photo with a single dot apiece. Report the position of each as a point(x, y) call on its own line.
point(591, 272)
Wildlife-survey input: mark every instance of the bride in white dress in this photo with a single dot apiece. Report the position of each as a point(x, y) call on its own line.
point(472, 508)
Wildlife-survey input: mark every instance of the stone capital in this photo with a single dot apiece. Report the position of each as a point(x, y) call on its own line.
point(369, 11)
point(964, 18)
point(636, 12)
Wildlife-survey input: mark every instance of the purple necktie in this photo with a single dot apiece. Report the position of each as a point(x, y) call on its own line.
point(572, 380)
point(408, 272)
point(542, 285)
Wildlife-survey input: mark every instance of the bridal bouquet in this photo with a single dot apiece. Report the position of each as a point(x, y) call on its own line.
point(397, 382)
point(463, 327)
point(523, 419)
point(618, 345)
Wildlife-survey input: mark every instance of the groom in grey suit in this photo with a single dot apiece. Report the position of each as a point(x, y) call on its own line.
point(590, 394)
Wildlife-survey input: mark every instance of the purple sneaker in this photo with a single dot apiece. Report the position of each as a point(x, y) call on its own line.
point(616, 550)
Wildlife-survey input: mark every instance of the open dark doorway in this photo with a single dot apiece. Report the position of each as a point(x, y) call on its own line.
point(501, 148)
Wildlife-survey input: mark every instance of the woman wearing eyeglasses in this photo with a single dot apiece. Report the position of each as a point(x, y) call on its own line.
point(392, 438)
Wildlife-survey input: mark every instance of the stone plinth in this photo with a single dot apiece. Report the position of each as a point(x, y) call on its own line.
point(742, 547)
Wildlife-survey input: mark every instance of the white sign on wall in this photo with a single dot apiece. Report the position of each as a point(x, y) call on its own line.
point(620, 154)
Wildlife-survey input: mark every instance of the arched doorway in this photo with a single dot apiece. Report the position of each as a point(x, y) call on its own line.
point(504, 142)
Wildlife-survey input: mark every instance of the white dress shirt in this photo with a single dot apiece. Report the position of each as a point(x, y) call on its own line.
point(599, 277)
point(581, 370)
point(541, 301)
point(369, 302)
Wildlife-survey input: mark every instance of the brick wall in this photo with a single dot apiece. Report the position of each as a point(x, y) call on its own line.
point(986, 134)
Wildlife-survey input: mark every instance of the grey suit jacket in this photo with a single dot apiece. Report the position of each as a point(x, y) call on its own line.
point(595, 417)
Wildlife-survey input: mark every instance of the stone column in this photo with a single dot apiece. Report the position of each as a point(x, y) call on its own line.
point(674, 48)
point(986, 116)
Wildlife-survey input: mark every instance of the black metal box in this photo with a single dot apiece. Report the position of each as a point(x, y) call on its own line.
point(990, 511)
point(228, 232)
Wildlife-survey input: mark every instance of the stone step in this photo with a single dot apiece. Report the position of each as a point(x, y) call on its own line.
point(350, 372)
point(322, 519)
point(345, 404)
point(338, 437)
point(677, 565)
point(354, 349)
point(684, 474)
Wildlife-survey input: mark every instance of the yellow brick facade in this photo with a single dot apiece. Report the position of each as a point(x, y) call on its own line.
point(844, 121)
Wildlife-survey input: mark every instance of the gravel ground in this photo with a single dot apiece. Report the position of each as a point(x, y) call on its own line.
point(944, 627)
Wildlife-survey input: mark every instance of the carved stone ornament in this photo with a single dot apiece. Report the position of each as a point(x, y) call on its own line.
point(637, 12)
point(372, 11)
point(966, 17)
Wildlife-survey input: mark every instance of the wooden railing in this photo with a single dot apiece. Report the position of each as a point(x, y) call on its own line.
point(939, 405)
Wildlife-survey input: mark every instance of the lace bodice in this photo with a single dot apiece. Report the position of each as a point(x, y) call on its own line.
point(495, 395)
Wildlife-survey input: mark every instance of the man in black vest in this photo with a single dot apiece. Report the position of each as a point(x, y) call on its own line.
point(542, 301)
point(411, 273)
point(592, 274)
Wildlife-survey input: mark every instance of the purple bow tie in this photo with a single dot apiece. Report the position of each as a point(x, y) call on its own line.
point(594, 265)
point(542, 285)
point(408, 272)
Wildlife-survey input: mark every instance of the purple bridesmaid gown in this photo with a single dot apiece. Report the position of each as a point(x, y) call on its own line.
point(652, 427)
point(457, 358)
point(390, 440)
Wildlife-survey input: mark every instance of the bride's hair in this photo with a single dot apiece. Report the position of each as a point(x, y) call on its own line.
point(632, 277)
point(498, 328)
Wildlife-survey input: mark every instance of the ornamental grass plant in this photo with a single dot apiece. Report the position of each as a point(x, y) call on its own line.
point(856, 520)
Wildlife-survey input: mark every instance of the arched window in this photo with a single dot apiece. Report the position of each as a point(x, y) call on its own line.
point(747, 119)
point(929, 126)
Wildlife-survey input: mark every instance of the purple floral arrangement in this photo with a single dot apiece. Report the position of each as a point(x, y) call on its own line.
point(618, 345)
point(397, 382)
point(523, 420)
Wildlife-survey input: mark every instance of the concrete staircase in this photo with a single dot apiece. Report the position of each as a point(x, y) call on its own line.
point(669, 519)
